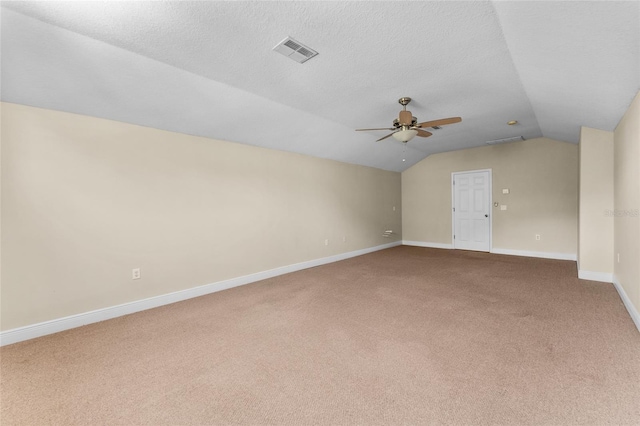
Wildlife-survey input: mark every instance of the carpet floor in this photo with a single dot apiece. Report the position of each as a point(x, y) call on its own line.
point(406, 335)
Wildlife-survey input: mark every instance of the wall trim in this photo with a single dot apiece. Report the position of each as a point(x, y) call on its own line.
point(633, 312)
point(427, 244)
point(541, 254)
point(73, 321)
point(605, 277)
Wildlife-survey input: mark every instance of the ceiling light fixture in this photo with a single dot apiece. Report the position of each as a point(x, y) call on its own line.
point(512, 122)
point(405, 135)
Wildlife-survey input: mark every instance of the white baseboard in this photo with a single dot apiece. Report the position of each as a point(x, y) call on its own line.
point(604, 277)
point(633, 312)
point(425, 244)
point(54, 326)
point(541, 254)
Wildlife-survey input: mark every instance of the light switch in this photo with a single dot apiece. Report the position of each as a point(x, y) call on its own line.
point(505, 190)
point(503, 207)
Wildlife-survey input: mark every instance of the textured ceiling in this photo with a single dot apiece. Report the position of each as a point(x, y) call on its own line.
point(207, 68)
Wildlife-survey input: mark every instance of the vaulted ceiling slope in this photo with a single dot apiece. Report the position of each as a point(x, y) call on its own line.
point(208, 69)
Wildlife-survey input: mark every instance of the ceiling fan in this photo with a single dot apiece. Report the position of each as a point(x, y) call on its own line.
point(406, 126)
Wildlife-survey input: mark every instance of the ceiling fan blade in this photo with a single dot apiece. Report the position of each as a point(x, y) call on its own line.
point(423, 133)
point(384, 137)
point(440, 122)
point(383, 128)
point(405, 118)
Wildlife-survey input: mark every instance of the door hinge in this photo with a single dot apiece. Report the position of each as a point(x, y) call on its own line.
point(454, 236)
point(454, 209)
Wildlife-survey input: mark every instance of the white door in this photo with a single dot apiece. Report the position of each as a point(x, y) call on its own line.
point(471, 209)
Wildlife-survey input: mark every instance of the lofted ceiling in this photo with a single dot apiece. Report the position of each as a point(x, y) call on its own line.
point(208, 69)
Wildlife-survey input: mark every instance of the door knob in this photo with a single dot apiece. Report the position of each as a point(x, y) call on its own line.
point(486, 215)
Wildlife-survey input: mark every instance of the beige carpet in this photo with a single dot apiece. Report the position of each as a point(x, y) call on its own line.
point(402, 336)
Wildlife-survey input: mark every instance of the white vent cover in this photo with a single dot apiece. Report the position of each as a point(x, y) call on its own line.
point(505, 140)
point(295, 50)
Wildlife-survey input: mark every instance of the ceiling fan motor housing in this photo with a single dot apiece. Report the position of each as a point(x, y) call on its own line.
point(396, 122)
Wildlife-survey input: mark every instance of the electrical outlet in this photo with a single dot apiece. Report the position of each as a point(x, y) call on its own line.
point(537, 237)
point(394, 208)
point(344, 238)
point(326, 242)
point(135, 274)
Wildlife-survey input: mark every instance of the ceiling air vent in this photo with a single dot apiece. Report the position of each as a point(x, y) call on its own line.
point(295, 50)
point(505, 140)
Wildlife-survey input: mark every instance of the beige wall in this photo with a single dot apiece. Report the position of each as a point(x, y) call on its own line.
point(85, 200)
point(541, 174)
point(595, 247)
point(627, 202)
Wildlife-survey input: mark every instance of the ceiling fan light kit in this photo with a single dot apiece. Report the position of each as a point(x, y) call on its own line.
point(406, 126)
point(405, 135)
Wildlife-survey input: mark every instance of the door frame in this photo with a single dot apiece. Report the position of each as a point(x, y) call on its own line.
point(453, 205)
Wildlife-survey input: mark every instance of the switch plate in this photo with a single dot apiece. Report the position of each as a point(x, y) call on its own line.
point(326, 242)
point(135, 274)
point(503, 207)
point(505, 190)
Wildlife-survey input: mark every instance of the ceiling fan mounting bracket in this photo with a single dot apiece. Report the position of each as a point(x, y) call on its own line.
point(404, 101)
